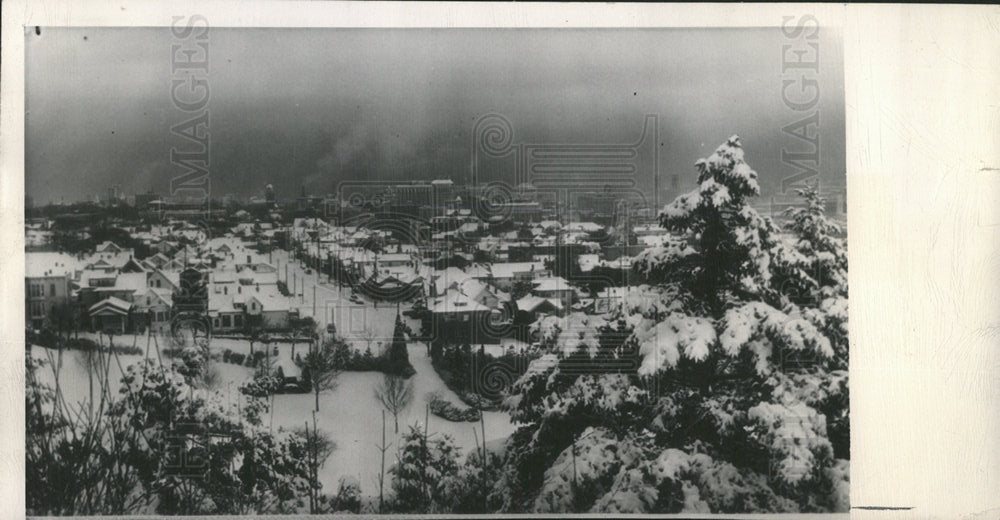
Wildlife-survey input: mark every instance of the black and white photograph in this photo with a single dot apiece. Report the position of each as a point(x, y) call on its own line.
point(437, 270)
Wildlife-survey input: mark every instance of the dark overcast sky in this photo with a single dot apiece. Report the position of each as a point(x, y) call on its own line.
point(311, 107)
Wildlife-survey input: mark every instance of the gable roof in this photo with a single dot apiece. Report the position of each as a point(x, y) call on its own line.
point(555, 283)
point(532, 303)
point(110, 306)
point(132, 266)
point(108, 246)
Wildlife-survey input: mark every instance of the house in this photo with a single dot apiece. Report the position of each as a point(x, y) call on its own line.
point(167, 280)
point(395, 260)
point(503, 275)
point(271, 306)
point(583, 227)
point(454, 306)
point(609, 299)
point(108, 247)
point(231, 309)
point(151, 308)
point(36, 237)
point(173, 265)
point(226, 316)
point(556, 288)
point(133, 266)
point(442, 280)
point(111, 254)
point(48, 281)
point(393, 287)
point(482, 293)
point(110, 315)
point(530, 307)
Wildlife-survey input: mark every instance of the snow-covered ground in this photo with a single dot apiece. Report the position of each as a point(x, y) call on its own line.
point(349, 414)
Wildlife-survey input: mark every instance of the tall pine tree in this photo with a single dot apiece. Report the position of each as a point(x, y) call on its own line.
point(737, 379)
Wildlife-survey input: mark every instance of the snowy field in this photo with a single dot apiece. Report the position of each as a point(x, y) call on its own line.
point(350, 415)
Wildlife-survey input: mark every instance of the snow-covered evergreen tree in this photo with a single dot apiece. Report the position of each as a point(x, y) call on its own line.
point(737, 378)
point(420, 473)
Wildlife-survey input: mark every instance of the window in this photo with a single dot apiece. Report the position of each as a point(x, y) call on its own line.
point(215, 322)
point(52, 289)
point(159, 284)
point(238, 319)
point(37, 309)
point(226, 322)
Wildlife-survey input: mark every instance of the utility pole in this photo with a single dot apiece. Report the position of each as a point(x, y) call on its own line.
point(314, 301)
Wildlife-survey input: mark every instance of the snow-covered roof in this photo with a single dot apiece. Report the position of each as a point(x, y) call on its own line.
point(270, 301)
point(455, 302)
point(442, 279)
point(155, 296)
point(588, 262)
point(547, 224)
point(223, 276)
point(469, 227)
point(555, 283)
point(530, 303)
point(130, 282)
point(108, 246)
point(39, 264)
point(586, 227)
point(110, 305)
point(510, 269)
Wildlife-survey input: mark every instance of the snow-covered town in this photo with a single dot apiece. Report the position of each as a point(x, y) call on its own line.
point(427, 272)
point(319, 315)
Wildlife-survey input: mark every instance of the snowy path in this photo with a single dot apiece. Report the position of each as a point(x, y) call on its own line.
point(359, 324)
